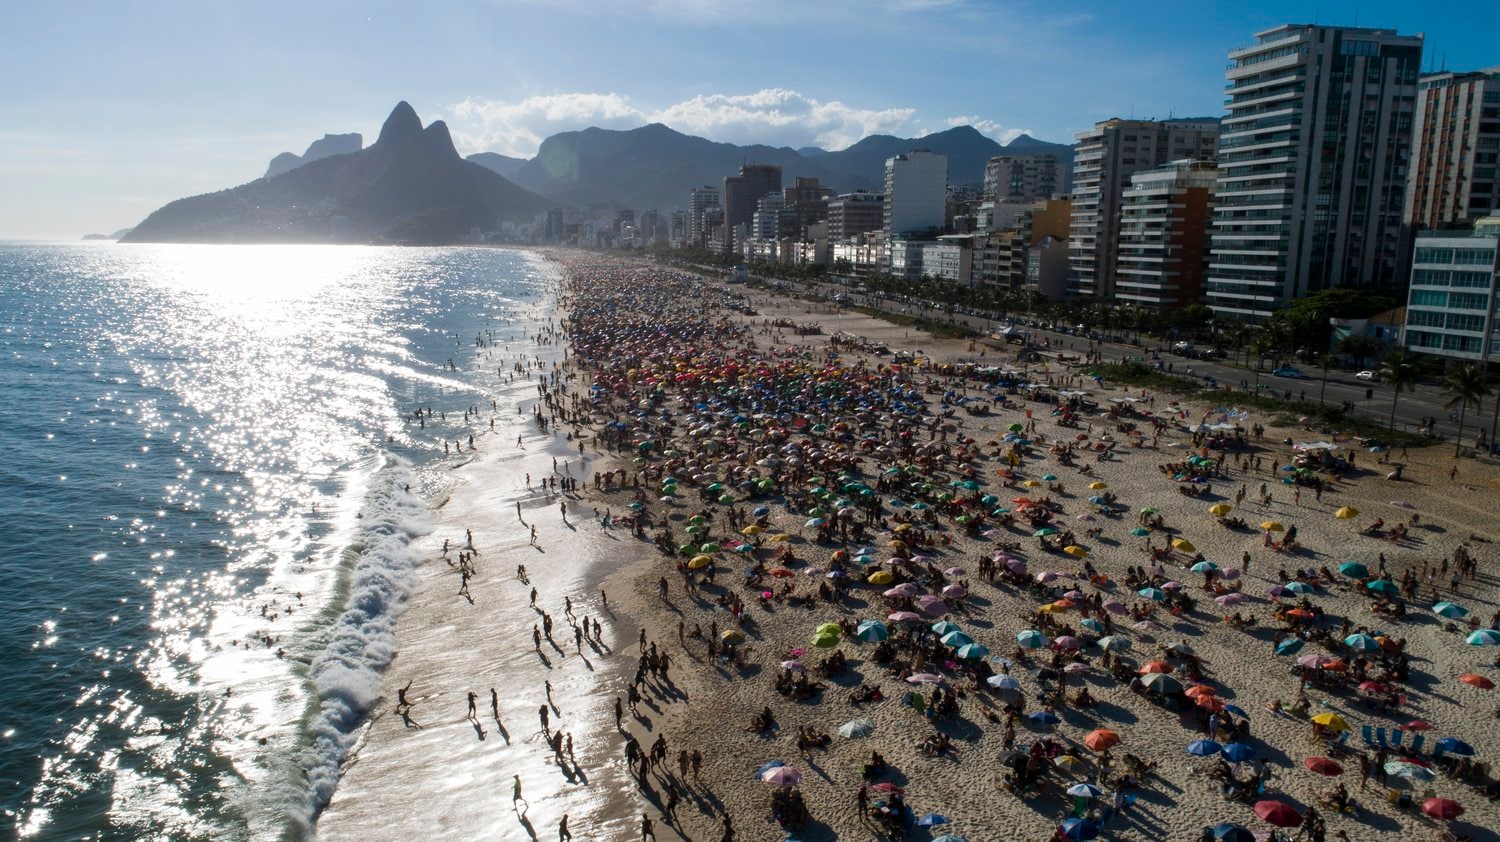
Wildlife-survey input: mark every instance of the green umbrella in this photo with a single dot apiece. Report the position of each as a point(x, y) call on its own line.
point(711, 547)
point(825, 641)
point(1015, 428)
point(1385, 586)
point(1140, 532)
point(972, 651)
point(1149, 510)
point(1048, 478)
point(1450, 610)
point(955, 639)
point(1043, 532)
point(1354, 570)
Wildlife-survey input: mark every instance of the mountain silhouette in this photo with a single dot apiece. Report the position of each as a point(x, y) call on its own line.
point(328, 144)
point(410, 186)
point(495, 162)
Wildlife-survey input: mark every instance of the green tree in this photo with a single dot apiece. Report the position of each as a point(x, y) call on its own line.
point(1359, 346)
point(1400, 373)
point(1464, 387)
point(1325, 361)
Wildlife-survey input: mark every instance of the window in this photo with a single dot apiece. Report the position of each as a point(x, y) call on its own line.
point(1424, 318)
point(1469, 279)
point(1474, 257)
point(1467, 301)
point(1473, 324)
point(1434, 255)
point(1428, 298)
point(1430, 278)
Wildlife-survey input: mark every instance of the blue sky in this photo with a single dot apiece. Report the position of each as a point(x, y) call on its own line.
point(114, 108)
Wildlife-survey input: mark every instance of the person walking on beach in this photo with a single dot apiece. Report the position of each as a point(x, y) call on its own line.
point(515, 795)
point(401, 702)
point(619, 714)
point(563, 835)
point(541, 713)
point(536, 636)
point(495, 704)
point(648, 829)
point(473, 697)
point(533, 590)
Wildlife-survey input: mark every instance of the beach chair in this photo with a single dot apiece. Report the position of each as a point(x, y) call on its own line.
point(1416, 745)
point(1368, 734)
point(1380, 737)
point(1397, 736)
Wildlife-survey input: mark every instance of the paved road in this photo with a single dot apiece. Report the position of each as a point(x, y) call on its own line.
point(1424, 400)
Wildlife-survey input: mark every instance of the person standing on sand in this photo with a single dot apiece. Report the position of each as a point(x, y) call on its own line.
point(515, 793)
point(648, 829)
point(473, 697)
point(563, 835)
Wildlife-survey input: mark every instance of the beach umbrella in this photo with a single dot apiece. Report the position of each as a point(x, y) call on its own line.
point(814, 523)
point(1408, 771)
point(1067, 643)
point(1278, 591)
point(753, 529)
point(1114, 643)
point(1098, 486)
point(1084, 789)
point(1100, 739)
point(782, 776)
point(766, 767)
point(1140, 532)
point(733, 636)
point(1323, 766)
point(1237, 711)
point(948, 837)
point(903, 589)
point(1198, 691)
point(880, 577)
point(1331, 721)
point(1147, 626)
point(1114, 606)
point(1092, 625)
point(1228, 599)
point(1453, 745)
point(1277, 813)
point(954, 592)
point(904, 616)
point(1153, 594)
point(857, 728)
point(1003, 682)
point(872, 631)
point(1272, 526)
point(1445, 809)
point(1385, 586)
point(825, 641)
point(1044, 532)
point(1160, 682)
point(1042, 717)
point(1450, 610)
point(932, 605)
point(1183, 545)
point(1203, 748)
point(972, 651)
point(1354, 570)
point(1149, 510)
point(1079, 829)
point(1015, 428)
point(794, 666)
point(925, 678)
point(1227, 832)
point(1346, 513)
point(1048, 576)
point(1299, 588)
point(1238, 752)
point(829, 628)
point(1290, 646)
point(1031, 639)
point(1417, 725)
point(1204, 567)
point(1031, 483)
point(932, 820)
point(888, 787)
point(1220, 509)
point(1155, 667)
point(1477, 681)
point(956, 638)
point(1075, 550)
point(700, 561)
point(1484, 637)
point(761, 511)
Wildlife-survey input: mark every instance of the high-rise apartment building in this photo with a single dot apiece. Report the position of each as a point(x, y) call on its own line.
point(1163, 245)
point(853, 214)
point(806, 204)
point(1105, 158)
point(765, 223)
point(704, 199)
point(1455, 293)
point(1454, 149)
point(1021, 178)
point(916, 189)
point(1312, 165)
point(742, 192)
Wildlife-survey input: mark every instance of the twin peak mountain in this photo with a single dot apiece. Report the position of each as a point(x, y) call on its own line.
point(412, 187)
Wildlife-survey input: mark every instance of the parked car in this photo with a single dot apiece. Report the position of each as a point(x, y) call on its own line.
point(1368, 375)
point(1288, 371)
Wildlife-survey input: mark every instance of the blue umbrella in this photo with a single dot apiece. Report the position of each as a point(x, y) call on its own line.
point(1085, 790)
point(1450, 610)
point(872, 630)
point(1227, 832)
point(1290, 646)
point(1203, 748)
point(1237, 711)
point(1238, 752)
point(1042, 717)
point(1453, 745)
point(932, 820)
point(1362, 642)
point(1484, 637)
point(948, 837)
point(1299, 588)
point(1079, 829)
point(762, 511)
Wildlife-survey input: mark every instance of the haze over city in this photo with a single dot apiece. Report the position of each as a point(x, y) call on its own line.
point(114, 109)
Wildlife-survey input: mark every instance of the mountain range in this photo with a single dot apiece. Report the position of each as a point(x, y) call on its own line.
point(328, 144)
point(410, 186)
point(655, 166)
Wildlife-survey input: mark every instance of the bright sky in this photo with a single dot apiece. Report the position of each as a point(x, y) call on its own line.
point(113, 108)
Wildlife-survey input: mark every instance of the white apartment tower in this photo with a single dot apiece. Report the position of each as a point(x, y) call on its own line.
point(704, 199)
point(916, 192)
point(1105, 157)
point(1312, 165)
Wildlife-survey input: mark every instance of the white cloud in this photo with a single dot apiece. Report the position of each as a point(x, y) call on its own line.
point(774, 116)
point(988, 127)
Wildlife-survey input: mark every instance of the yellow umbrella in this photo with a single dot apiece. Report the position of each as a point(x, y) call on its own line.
point(1098, 486)
point(1184, 544)
point(1068, 762)
point(902, 527)
point(733, 636)
point(1272, 526)
point(899, 544)
point(1075, 550)
point(1031, 483)
point(700, 561)
point(779, 539)
point(1220, 509)
point(753, 529)
point(1346, 512)
point(1331, 721)
point(881, 577)
point(1052, 608)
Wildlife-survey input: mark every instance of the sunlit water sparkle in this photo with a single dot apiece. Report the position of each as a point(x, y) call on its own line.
point(195, 435)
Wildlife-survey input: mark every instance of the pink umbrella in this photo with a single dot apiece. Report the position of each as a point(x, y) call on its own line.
point(795, 666)
point(921, 559)
point(1171, 586)
point(1015, 565)
point(954, 591)
point(1086, 517)
point(1313, 661)
point(1148, 625)
point(1075, 668)
point(904, 616)
point(783, 776)
point(1114, 606)
point(1228, 574)
point(955, 571)
point(1067, 642)
point(925, 678)
point(903, 589)
point(1231, 599)
point(932, 605)
point(1048, 576)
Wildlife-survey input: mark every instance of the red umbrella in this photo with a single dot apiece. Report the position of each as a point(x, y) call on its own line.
point(1278, 813)
point(1417, 725)
point(1213, 704)
point(1156, 666)
point(1323, 766)
point(1101, 739)
point(1477, 681)
point(1442, 808)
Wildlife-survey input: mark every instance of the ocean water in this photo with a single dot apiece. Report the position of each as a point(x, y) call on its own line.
point(211, 472)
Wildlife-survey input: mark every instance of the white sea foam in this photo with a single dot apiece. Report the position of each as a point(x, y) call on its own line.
point(362, 641)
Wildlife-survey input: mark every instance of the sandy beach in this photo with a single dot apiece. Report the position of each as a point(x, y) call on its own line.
point(677, 397)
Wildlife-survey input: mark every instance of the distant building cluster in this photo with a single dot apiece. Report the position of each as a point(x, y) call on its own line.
point(1336, 164)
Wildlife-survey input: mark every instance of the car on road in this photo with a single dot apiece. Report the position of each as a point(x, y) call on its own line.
point(1288, 371)
point(1367, 375)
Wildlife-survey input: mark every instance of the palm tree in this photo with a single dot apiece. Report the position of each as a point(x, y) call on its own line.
point(1325, 360)
point(1401, 373)
point(1464, 387)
